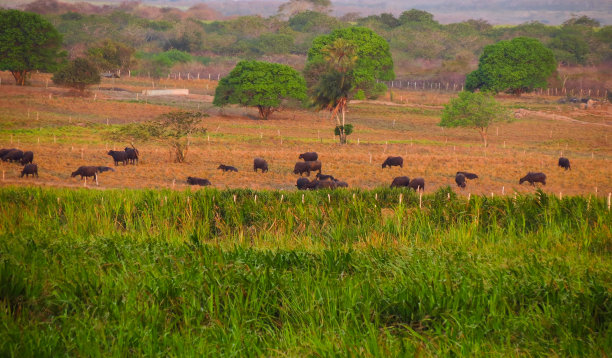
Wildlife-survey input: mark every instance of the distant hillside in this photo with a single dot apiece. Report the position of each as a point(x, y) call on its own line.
point(552, 12)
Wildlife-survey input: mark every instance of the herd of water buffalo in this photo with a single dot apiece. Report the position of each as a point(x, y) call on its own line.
point(310, 163)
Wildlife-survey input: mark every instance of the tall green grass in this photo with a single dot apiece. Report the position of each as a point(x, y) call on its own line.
point(347, 273)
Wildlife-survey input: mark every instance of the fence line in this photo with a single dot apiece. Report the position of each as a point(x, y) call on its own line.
point(403, 84)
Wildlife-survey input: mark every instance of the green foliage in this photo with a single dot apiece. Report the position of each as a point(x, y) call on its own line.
point(582, 21)
point(314, 22)
point(417, 16)
point(374, 59)
point(137, 272)
point(515, 66)
point(570, 47)
point(112, 56)
point(359, 95)
point(158, 65)
point(28, 42)
point(79, 73)
point(274, 43)
point(475, 110)
point(173, 129)
point(346, 129)
point(260, 84)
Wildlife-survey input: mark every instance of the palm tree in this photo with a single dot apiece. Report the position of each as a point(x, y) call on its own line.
point(335, 85)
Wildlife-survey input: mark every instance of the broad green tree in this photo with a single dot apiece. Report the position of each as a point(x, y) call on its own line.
point(28, 42)
point(112, 56)
point(260, 84)
point(474, 110)
point(374, 61)
point(79, 73)
point(514, 66)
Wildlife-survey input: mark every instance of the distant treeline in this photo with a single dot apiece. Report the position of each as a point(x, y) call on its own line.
point(421, 46)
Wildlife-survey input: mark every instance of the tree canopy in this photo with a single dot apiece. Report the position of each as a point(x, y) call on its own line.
point(112, 56)
point(173, 129)
point(28, 42)
point(79, 73)
point(473, 110)
point(374, 61)
point(260, 84)
point(515, 66)
point(337, 83)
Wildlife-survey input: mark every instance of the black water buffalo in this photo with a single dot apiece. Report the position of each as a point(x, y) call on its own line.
point(400, 182)
point(303, 184)
point(29, 169)
point(132, 155)
point(197, 181)
point(307, 167)
point(14, 155)
point(325, 177)
point(460, 180)
point(227, 168)
point(534, 177)
point(341, 184)
point(90, 171)
point(3, 151)
point(309, 156)
point(393, 161)
point(564, 163)
point(118, 156)
point(86, 171)
point(259, 163)
point(324, 184)
point(105, 169)
point(469, 175)
point(28, 157)
point(417, 184)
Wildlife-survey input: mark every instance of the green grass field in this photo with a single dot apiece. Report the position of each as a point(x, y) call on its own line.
point(273, 273)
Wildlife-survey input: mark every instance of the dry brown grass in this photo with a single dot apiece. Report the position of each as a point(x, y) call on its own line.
point(532, 143)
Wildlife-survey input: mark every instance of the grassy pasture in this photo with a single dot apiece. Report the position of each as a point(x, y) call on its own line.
point(182, 273)
point(66, 131)
point(244, 269)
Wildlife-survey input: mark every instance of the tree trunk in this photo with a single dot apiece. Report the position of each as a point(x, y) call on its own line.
point(342, 133)
point(264, 112)
point(483, 135)
point(20, 77)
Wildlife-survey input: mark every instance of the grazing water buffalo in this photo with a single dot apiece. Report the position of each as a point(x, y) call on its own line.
point(303, 184)
point(460, 180)
point(29, 169)
point(90, 171)
point(227, 168)
point(105, 169)
point(564, 163)
point(259, 163)
point(469, 175)
point(400, 182)
point(132, 155)
point(197, 181)
point(534, 177)
point(325, 177)
point(341, 184)
point(417, 184)
point(118, 156)
point(324, 184)
point(309, 156)
point(307, 167)
point(28, 157)
point(14, 155)
point(393, 161)
point(86, 171)
point(3, 151)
